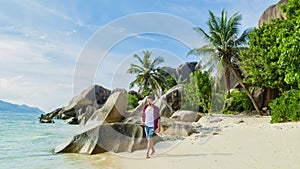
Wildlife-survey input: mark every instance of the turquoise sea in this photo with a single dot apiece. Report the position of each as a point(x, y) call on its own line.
point(26, 143)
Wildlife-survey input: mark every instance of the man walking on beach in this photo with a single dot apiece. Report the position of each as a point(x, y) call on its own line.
point(151, 122)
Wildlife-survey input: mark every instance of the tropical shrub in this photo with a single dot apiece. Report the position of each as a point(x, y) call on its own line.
point(237, 102)
point(132, 101)
point(197, 93)
point(286, 107)
point(170, 82)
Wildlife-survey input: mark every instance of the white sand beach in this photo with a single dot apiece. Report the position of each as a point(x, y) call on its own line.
point(243, 142)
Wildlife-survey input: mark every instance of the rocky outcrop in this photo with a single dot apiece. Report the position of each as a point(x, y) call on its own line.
point(176, 128)
point(206, 120)
point(83, 105)
point(272, 12)
point(104, 130)
point(170, 101)
point(113, 137)
point(185, 116)
point(95, 93)
point(112, 111)
point(167, 103)
point(72, 120)
point(263, 96)
point(94, 96)
point(48, 118)
point(45, 119)
point(183, 71)
point(110, 128)
point(85, 113)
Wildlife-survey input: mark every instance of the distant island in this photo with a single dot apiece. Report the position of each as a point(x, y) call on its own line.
point(10, 107)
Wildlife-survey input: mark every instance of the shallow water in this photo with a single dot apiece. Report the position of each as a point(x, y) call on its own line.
point(26, 143)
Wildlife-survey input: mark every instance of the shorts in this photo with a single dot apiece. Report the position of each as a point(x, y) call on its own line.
point(149, 132)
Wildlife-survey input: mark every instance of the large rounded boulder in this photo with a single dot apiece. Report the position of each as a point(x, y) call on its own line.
point(271, 13)
point(112, 111)
point(112, 137)
point(185, 116)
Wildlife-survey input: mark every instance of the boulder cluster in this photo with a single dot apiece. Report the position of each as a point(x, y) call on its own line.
point(109, 126)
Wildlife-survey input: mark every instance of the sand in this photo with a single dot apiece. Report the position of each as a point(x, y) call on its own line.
point(243, 142)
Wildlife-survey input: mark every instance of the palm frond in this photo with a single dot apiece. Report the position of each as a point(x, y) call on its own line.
point(148, 75)
point(223, 25)
point(147, 60)
point(244, 37)
point(233, 24)
point(139, 58)
point(135, 69)
point(210, 61)
point(202, 33)
point(156, 62)
point(204, 50)
point(214, 21)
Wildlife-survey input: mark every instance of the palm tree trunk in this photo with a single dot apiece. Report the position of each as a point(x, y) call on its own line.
point(240, 81)
point(227, 81)
point(251, 97)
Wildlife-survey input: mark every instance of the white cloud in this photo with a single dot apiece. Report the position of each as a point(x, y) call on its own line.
point(71, 32)
point(36, 69)
point(145, 37)
point(20, 52)
point(22, 90)
point(39, 8)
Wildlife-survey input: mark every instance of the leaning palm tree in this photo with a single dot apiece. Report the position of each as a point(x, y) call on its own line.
point(148, 74)
point(224, 47)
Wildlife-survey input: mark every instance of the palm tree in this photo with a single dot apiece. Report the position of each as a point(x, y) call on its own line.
point(224, 47)
point(148, 74)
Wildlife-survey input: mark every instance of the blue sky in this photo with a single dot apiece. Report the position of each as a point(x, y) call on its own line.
point(42, 41)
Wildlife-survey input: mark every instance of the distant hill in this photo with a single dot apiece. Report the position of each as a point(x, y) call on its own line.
point(9, 107)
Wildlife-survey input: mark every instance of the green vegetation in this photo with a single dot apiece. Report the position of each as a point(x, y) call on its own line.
point(148, 74)
point(237, 102)
point(133, 101)
point(273, 60)
point(170, 82)
point(224, 47)
point(197, 93)
point(286, 107)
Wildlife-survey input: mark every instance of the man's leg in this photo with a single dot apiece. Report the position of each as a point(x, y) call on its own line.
point(148, 147)
point(152, 146)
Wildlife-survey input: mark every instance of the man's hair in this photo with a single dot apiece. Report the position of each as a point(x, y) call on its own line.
point(150, 97)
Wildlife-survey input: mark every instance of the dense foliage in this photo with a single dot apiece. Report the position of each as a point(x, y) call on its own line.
point(237, 102)
point(197, 93)
point(273, 59)
point(133, 101)
point(170, 82)
point(286, 107)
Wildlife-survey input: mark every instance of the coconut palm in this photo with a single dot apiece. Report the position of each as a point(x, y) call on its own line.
point(148, 74)
point(224, 47)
